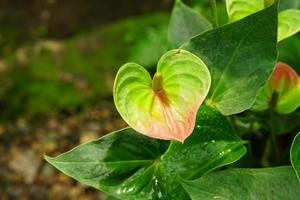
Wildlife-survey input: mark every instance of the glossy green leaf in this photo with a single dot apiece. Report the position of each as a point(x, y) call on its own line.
point(166, 106)
point(129, 165)
point(185, 23)
point(240, 57)
point(238, 9)
point(121, 163)
point(295, 155)
point(281, 92)
point(288, 20)
point(213, 144)
point(235, 184)
point(288, 23)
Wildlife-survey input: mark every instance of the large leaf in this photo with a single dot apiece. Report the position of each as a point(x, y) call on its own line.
point(234, 184)
point(295, 155)
point(288, 20)
point(185, 23)
point(121, 163)
point(128, 165)
point(240, 57)
point(212, 145)
point(166, 106)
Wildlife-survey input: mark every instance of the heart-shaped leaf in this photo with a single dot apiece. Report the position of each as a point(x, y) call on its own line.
point(129, 165)
point(235, 184)
point(240, 57)
point(288, 20)
point(281, 92)
point(166, 106)
point(295, 155)
point(185, 23)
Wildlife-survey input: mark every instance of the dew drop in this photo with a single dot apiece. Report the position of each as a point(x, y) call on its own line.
point(221, 153)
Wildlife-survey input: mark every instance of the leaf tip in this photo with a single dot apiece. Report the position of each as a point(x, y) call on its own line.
point(48, 158)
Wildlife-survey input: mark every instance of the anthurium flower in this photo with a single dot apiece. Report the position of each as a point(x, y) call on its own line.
point(164, 106)
point(281, 92)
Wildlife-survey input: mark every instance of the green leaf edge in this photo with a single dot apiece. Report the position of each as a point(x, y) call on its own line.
point(297, 137)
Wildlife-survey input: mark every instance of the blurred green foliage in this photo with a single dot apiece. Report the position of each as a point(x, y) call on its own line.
point(289, 51)
point(48, 76)
point(71, 74)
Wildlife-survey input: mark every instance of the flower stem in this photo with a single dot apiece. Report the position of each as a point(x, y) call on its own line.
point(273, 136)
point(214, 12)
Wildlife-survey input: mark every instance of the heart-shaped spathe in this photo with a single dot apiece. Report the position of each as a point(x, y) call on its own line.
point(165, 107)
point(281, 92)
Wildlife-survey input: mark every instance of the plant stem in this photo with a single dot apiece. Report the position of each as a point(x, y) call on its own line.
point(265, 157)
point(273, 135)
point(214, 12)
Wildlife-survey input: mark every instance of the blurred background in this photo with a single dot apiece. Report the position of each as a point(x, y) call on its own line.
point(58, 59)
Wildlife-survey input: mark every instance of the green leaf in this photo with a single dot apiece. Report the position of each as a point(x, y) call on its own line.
point(120, 163)
point(166, 106)
point(288, 20)
point(238, 9)
point(213, 144)
point(185, 23)
point(288, 23)
point(295, 155)
point(128, 165)
point(235, 184)
point(240, 57)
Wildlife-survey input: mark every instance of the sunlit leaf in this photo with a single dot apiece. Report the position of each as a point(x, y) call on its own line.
point(238, 9)
point(288, 23)
point(166, 106)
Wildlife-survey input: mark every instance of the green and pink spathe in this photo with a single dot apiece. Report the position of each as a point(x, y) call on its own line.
point(164, 107)
point(281, 92)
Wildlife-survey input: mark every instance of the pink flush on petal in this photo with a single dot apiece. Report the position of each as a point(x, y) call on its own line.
point(166, 105)
point(283, 77)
